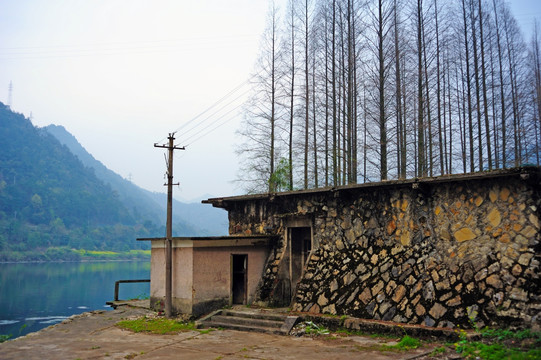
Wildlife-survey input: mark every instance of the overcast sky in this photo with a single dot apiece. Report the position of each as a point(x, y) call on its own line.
point(121, 74)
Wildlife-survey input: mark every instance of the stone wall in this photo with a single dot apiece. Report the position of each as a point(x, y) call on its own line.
point(439, 252)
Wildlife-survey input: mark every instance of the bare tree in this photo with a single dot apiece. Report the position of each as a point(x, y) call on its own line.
point(353, 94)
point(259, 149)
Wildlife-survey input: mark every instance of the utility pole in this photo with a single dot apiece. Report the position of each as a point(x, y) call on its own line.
point(169, 227)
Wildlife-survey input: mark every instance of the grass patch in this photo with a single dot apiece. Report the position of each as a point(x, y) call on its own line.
point(4, 338)
point(313, 329)
point(497, 351)
point(347, 332)
point(111, 255)
point(405, 344)
point(439, 351)
point(159, 326)
point(142, 296)
point(506, 334)
point(500, 344)
point(408, 343)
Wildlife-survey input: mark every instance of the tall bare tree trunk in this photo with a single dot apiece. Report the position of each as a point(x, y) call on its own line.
point(421, 170)
point(468, 83)
point(316, 180)
point(334, 99)
point(306, 94)
point(484, 81)
point(537, 89)
point(502, 92)
point(441, 130)
point(272, 185)
point(398, 79)
point(350, 98)
point(462, 115)
point(428, 138)
point(477, 87)
point(292, 92)
point(495, 132)
point(381, 98)
point(327, 115)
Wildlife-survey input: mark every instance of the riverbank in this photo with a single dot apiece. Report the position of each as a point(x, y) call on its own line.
point(59, 254)
point(38, 294)
point(94, 335)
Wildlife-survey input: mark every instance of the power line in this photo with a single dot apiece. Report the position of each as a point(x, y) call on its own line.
point(186, 140)
point(214, 105)
point(211, 130)
point(195, 127)
point(119, 48)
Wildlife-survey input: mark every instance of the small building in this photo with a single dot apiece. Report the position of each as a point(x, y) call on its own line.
point(441, 251)
point(208, 272)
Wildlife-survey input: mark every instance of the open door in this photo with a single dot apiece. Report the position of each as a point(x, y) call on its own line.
point(239, 279)
point(301, 245)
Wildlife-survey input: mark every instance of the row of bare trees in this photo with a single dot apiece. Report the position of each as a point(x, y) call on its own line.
point(350, 91)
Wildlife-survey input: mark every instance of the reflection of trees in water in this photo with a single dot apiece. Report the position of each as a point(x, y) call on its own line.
point(31, 290)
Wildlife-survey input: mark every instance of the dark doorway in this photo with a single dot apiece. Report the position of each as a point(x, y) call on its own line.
point(301, 245)
point(239, 267)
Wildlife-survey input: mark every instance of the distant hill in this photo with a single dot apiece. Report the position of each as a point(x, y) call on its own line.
point(54, 197)
point(193, 219)
point(207, 219)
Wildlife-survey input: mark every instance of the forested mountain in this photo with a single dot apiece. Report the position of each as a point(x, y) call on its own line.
point(52, 201)
point(193, 219)
point(136, 203)
point(354, 91)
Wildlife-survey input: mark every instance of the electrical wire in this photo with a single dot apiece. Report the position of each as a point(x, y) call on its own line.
point(114, 48)
point(231, 93)
point(211, 116)
point(189, 140)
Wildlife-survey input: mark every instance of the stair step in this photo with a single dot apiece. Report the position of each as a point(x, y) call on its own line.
point(247, 321)
point(255, 315)
point(260, 321)
point(240, 327)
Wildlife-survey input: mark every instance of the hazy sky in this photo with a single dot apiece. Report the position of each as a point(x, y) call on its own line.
point(121, 74)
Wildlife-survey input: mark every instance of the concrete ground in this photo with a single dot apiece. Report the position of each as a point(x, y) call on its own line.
point(95, 336)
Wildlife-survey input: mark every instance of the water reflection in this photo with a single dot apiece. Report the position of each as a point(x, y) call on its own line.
point(36, 295)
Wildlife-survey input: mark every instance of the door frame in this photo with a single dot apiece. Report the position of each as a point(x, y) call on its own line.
point(297, 222)
point(245, 272)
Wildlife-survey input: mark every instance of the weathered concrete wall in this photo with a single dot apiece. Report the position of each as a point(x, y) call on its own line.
point(182, 277)
point(433, 252)
point(212, 276)
point(201, 273)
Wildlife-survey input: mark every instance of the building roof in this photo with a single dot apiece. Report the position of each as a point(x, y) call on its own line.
point(215, 241)
point(525, 172)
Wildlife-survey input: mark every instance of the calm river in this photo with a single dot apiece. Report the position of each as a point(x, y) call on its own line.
point(37, 295)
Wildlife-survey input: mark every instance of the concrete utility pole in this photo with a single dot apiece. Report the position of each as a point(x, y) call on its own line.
point(169, 226)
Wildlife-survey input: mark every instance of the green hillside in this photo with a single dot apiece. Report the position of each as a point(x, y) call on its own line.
point(193, 219)
point(51, 203)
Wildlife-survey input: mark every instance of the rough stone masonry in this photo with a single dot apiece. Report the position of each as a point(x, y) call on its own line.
point(448, 251)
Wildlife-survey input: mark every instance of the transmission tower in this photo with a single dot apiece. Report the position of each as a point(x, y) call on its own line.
point(10, 93)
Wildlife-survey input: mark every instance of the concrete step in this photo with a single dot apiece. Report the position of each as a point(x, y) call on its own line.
point(259, 321)
point(266, 315)
point(239, 327)
point(248, 321)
